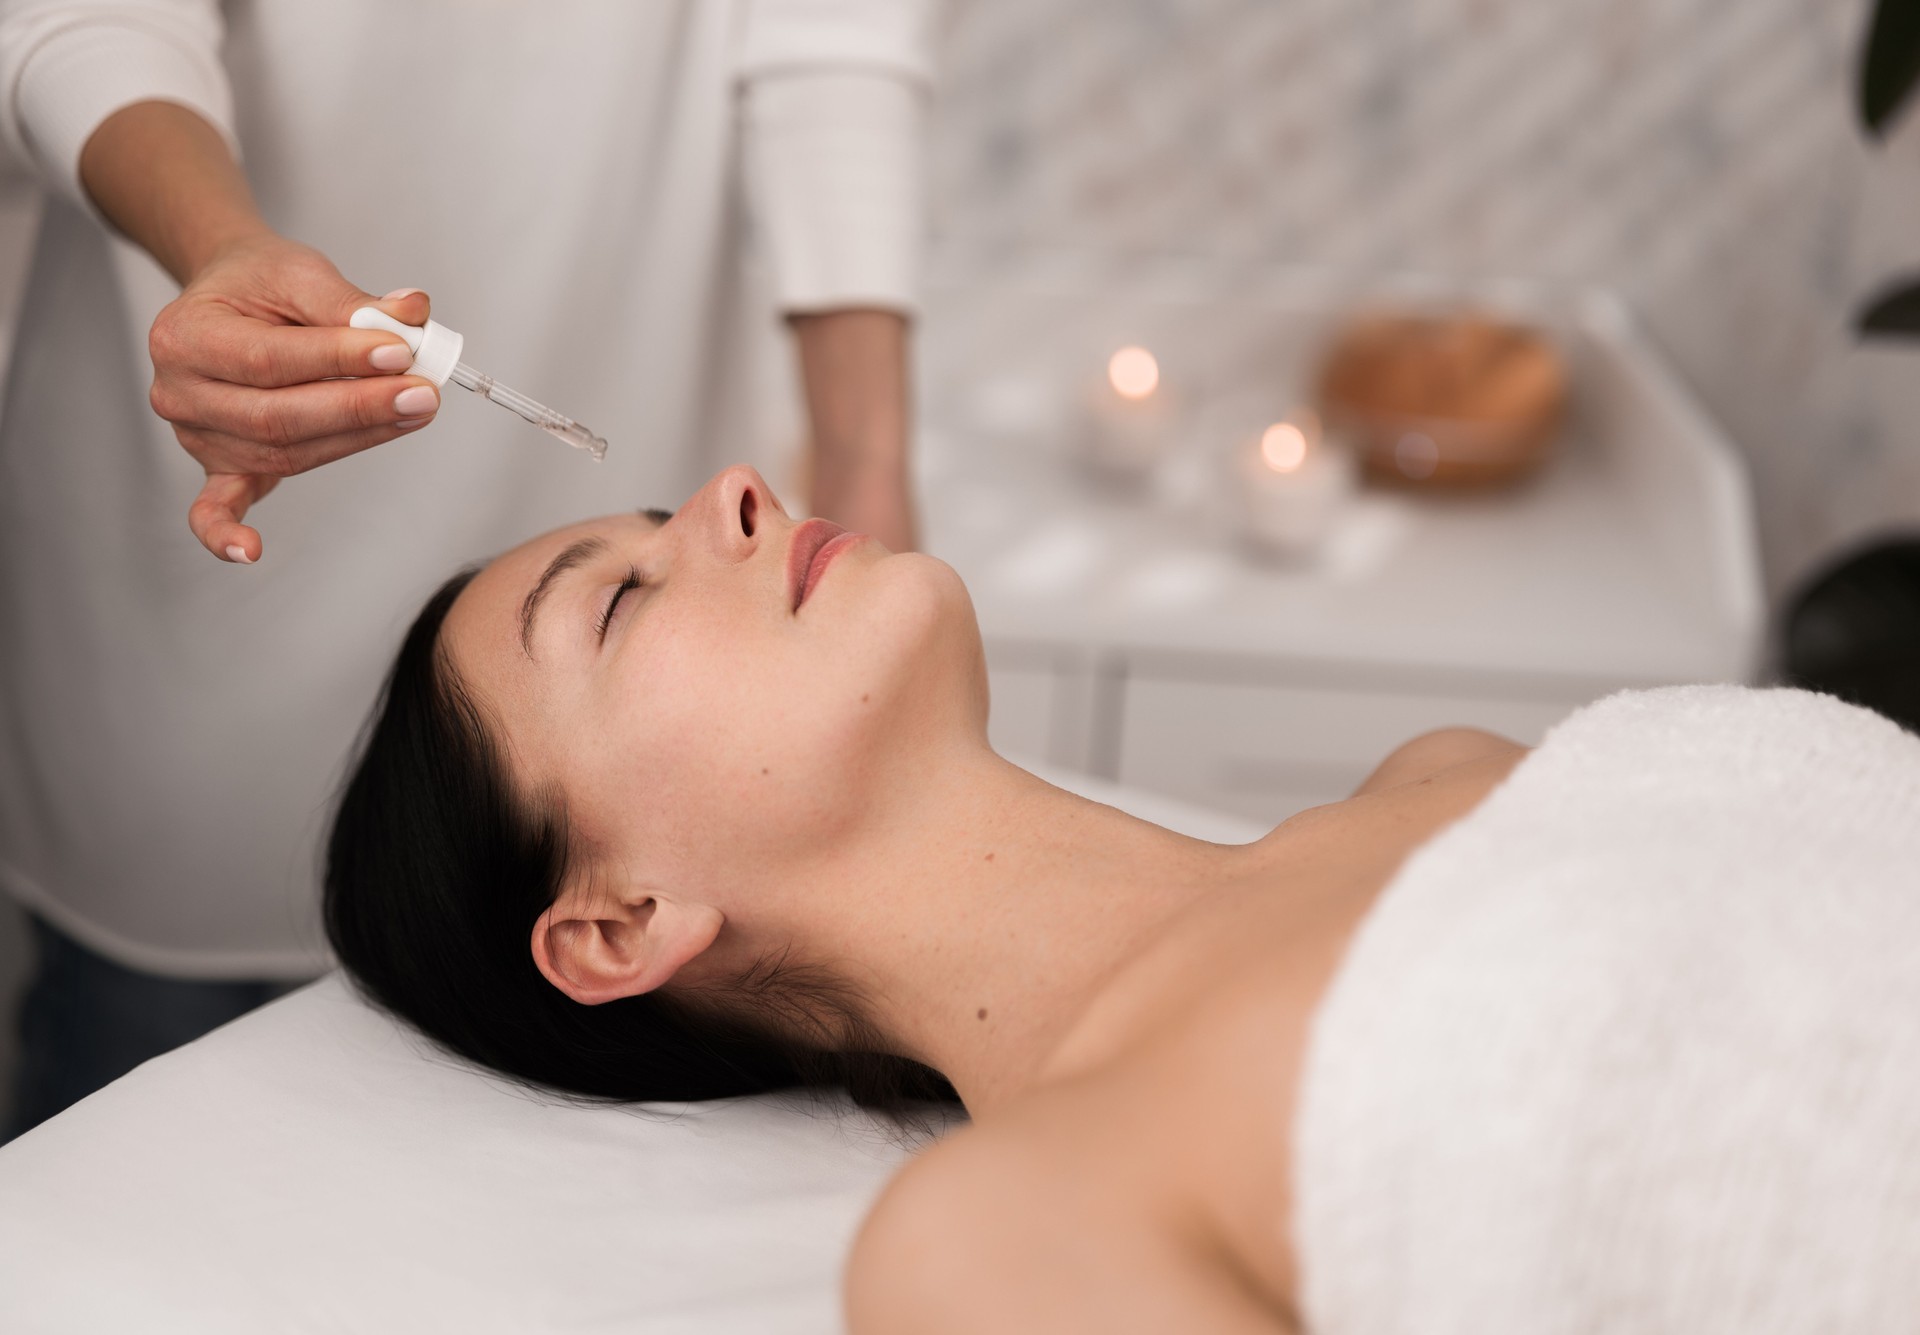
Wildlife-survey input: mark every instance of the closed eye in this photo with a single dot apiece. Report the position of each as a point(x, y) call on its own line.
point(627, 585)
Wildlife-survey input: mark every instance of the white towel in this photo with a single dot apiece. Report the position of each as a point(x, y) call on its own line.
point(1635, 1046)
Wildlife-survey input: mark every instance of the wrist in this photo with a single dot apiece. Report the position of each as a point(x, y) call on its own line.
point(875, 498)
point(215, 242)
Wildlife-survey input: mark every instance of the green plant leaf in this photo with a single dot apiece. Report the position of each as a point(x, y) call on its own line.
point(1894, 313)
point(1889, 63)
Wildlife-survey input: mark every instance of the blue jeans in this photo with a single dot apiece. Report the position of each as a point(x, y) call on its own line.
point(85, 1021)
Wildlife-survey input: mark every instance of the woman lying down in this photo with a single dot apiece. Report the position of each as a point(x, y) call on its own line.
point(1621, 1034)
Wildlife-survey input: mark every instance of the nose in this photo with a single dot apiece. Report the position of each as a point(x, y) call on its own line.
point(743, 511)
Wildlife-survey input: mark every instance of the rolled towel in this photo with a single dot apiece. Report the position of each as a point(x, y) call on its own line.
point(1634, 1046)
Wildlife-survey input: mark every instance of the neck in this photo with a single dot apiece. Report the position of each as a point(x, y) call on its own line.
point(987, 910)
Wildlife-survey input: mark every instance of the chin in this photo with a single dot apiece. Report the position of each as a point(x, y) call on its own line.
point(925, 639)
point(904, 679)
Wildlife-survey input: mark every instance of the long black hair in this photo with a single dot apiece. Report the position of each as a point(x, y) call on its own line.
point(436, 872)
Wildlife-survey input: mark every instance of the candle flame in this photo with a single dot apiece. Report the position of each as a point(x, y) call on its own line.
point(1283, 446)
point(1133, 372)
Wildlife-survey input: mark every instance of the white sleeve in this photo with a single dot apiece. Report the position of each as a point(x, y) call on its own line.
point(833, 113)
point(67, 65)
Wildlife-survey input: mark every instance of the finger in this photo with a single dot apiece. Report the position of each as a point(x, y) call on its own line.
point(216, 513)
point(221, 453)
point(317, 294)
point(216, 342)
point(408, 305)
point(298, 415)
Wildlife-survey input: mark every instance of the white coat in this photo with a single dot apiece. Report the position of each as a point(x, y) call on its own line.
point(561, 176)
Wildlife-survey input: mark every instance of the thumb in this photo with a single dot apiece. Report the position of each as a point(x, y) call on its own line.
point(408, 305)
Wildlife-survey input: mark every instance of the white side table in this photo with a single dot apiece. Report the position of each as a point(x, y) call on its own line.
point(1128, 635)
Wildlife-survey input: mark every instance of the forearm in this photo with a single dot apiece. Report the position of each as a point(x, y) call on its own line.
point(166, 178)
point(853, 369)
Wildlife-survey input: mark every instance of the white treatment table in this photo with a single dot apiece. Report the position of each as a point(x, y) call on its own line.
point(316, 1166)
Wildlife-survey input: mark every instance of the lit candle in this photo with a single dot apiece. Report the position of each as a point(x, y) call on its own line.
point(1130, 417)
point(1292, 485)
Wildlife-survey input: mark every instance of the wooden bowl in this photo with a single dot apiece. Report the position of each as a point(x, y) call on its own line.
point(1463, 400)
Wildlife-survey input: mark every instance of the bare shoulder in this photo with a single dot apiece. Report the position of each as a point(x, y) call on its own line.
point(1004, 1229)
point(1431, 752)
point(924, 1236)
point(963, 1237)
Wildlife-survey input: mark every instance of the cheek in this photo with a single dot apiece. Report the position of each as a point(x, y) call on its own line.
point(755, 741)
point(719, 739)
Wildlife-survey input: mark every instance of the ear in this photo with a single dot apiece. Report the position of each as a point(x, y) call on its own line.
point(610, 948)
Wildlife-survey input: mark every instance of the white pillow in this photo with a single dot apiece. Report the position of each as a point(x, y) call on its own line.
point(318, 1166)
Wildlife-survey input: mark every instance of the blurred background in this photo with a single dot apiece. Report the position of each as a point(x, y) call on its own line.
point(1676, 195)
point(1701, 158)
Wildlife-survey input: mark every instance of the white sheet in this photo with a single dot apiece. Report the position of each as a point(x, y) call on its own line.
point(315, 1166)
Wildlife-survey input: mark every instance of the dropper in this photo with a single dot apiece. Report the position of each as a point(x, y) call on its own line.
point(436, 356)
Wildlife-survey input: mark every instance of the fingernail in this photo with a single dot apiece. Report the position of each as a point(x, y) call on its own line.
point(400, 293)
point(390, 357)
point(416, 401)
point(239, 553)
point(409, 423)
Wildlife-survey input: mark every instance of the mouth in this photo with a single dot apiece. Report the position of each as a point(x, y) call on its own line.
point(814, 546)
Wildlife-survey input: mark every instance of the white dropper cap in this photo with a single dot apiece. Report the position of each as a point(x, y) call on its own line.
point(435, 348)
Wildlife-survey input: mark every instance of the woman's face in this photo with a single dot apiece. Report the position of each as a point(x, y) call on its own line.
point(719, 694)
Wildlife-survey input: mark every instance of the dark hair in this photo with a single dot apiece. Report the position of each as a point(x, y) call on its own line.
point(436, 872)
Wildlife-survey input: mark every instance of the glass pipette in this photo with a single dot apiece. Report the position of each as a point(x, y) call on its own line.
point(436, 356)
point(558, 425)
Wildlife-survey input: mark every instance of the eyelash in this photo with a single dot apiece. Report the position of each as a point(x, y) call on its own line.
point(627, 585)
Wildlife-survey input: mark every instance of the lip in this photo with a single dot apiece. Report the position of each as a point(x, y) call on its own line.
point(814, 546)
point(805, 544)
point(807, 540)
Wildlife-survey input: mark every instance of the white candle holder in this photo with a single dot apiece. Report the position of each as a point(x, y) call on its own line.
point(1290, 485)
point(1131, 418)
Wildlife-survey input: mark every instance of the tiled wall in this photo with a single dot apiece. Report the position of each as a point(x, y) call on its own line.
point(1698, 156)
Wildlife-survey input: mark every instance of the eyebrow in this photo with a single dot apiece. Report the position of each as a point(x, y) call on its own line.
point(575, 555)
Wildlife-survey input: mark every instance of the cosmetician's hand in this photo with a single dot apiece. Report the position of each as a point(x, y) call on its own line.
point(256, 369)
